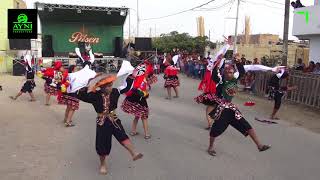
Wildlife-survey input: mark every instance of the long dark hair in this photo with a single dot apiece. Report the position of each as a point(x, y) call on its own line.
point(71, 68)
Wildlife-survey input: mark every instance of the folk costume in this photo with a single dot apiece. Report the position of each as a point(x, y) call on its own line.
point(30, 84)
point(105, 103)
point(85, 56)
point(136, 91)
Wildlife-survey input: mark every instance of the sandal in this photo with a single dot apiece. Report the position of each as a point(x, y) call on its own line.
point(168, 98)
point(207, 128)
point(69, 124)
point(137, 157)
point(13, 98)
point(147, 136)
point(212, 152)
point(175, 96)
point(134, 133)
point(264, 148)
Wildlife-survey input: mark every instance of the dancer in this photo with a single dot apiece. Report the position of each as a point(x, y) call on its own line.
point(211, 79)
point(227, 114)
point(277, 92)
point(136, 101)
point(29, 85)
point(53, 78)
point(171, 79)
point(152, 78)
point(68, 99)
point(105, 102)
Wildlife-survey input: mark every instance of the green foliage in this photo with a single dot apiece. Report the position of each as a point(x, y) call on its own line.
point(182, 42)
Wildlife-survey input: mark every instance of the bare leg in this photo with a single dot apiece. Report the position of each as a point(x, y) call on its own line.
point(134, 125)
point(16, 97)
point(66, 114)
point(146, 128)
point(176, 91)
point(48, 99)
point(128, 145)
point(208, 110)
point(32, 97)
point(255, 139)
point(211, 150)
point(274, 112)
point(103, 165)
point(69, 117)
point(169, 92)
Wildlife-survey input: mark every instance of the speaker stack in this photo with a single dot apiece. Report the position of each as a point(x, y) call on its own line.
point(47, 49)
point(143, 44)
point(118, 42)
point(18, 68)
point(20, 44)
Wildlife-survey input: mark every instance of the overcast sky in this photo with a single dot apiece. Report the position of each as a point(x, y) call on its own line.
point(265, 16)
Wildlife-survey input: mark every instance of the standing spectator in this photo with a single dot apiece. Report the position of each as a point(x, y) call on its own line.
point(196, 69)
point(256, 61)
point(243, 59)
point(299, 66)
point(191, 67)
point(317, 69)
point(203, 68)
point(310, 68)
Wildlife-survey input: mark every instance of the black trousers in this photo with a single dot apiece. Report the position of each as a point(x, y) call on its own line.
point(278, 99)
point(227, 118)
point(104, 136)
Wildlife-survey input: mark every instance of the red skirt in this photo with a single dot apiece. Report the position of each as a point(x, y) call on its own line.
point(50, 90)
point(207, 99)
point(69, 100)
point(207, 85)
point(135, 108)
point(152, 79)
point(172, 82)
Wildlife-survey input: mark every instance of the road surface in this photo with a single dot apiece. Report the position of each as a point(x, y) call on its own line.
point(35, 145)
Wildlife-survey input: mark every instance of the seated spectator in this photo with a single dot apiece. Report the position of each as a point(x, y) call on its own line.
point(317, 68)
point(296, 4)
point(243, 59)
point(310, 68)
point(299, 66)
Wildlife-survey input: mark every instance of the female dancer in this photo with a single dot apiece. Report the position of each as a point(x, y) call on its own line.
point(171, 79)
point(136, 101)
point(68, 99)
point(105, 102)
point(211, 80)
point(53, 78)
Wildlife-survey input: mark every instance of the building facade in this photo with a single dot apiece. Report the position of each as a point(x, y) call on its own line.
point(6, 55)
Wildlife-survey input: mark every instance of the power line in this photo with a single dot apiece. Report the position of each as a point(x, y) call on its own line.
point(178, 12)
point(261, 4)
point(215, 8)
point(275, 2)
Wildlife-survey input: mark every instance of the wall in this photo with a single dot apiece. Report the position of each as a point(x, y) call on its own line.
point(315, 49)
point(60, 38)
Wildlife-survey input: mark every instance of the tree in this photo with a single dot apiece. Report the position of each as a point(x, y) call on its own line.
point(182, 42)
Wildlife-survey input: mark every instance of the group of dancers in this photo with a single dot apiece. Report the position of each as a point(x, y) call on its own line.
point(219, 86)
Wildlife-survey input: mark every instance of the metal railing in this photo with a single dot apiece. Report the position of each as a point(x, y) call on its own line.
point(308, 92)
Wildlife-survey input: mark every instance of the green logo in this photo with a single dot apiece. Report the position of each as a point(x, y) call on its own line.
point(22, 25)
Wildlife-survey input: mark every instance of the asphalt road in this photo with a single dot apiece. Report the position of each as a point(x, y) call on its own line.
point(35, 145)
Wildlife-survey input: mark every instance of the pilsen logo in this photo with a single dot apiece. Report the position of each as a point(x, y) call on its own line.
point(82, 37)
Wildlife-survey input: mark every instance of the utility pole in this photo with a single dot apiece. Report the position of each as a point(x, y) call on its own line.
point(129, 25)
point(236, 30)
point(138, 20)
point(285, 33)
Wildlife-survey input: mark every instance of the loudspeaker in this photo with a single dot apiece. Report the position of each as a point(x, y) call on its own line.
point(143, 44)
point(117, 47)
point(20, 44)
point(18, 68)
point(47, 49)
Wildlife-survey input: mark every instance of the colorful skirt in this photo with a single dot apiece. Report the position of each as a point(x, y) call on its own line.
point(207, 99)
point(50, 90)
point(172, 82)
point(69, 100)
point(136, 106)
point(152, 79)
